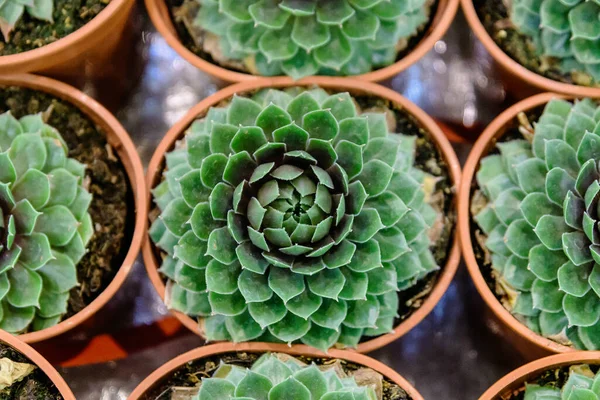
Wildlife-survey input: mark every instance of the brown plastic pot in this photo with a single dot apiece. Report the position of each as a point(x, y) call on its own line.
point(119, 140)
point(40, 362)
point(529, 343)
point(520, 81)
point(159, 13)
point(516, 380)
point(83, 53)
point(166, 370)
point(338, 84)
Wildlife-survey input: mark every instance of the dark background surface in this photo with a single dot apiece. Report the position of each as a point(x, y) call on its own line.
point(454, 354)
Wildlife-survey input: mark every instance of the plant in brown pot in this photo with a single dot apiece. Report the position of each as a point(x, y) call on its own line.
point(529, 220)
point(298, 214)
point(238, 40)
point(25, 374)
point(277, 372)
point(547, 45)
point(561, 377)
point(71, 187)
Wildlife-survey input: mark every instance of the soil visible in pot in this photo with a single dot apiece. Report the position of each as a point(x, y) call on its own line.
point(429, 159)
point(179, 9)
point(493, 14)
point(69, 15)
point(190, 374)
point(34, 386)
point(112, 195)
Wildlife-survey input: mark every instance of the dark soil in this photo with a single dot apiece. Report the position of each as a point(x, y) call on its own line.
point(35, 386)
point(69, 15)
point(494, 16)
point(190, 374)
point(189, 43)
point(112, 196)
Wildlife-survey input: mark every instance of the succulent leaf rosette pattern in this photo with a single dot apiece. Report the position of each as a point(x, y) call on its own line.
point(289, 216)
point(567, 30)
point(281, 377)
point(582, 384)
point(541, 223)
point(314, 37)
point(11, 12)
point(44, 223)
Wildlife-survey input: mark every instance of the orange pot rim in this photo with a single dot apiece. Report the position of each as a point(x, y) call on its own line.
point(25, 61)
point(340, 84)
point(539, 81)
point(494, 131)
point(258, 347)
point(122, 144)
point(535, 368)
point(159, 14)
point(40, 362)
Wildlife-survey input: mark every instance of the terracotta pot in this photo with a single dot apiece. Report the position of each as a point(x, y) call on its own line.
point(339, 84)
point(520, 81)
point(296, 350)
point(529, 343)
point(529, 373)
point(40, 362)
point(159, 13)
point(119, 140)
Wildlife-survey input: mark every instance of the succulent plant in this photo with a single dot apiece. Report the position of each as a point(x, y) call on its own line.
point(582, 384)
point(290, 216)
point(302, 38)
point(542, 219)
point(11, 12)
point(44, 223)
point(281, 378)
point(568, 30)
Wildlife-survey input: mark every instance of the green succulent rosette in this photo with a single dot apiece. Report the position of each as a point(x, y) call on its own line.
point(11, 12)
point(541, 223)
point(582, 384)
point(302, 38)
point(44, 223)
point(566, 30)
point(290, 216)
point(282, 377)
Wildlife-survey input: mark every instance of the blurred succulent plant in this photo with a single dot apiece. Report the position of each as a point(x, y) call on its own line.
point(288, 216)
point(542, 219)
point(568, 30)
point(44, 223)
point(275, 378)
point(582, 384)
point(302, 38)
point(11, 12)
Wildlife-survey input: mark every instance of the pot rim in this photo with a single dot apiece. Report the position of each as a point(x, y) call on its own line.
point(159, 14)
point(37, 359)
point(340, 84)
point(494, 131)
point(31, 59)
point(122, 144)
point(539, 81)
point(520, 375)
point(259, 347)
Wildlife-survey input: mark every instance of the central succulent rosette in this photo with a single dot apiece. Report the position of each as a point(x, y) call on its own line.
point(291, 216)
point(541, 223)
point(44, 223)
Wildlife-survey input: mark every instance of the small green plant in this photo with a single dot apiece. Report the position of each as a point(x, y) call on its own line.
point(302, 38)
point(282, 378)
point(11, 12)
point(582, 384)
point(567, 30)
point(290, 216)
point(541, 222)
point(44, 223)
